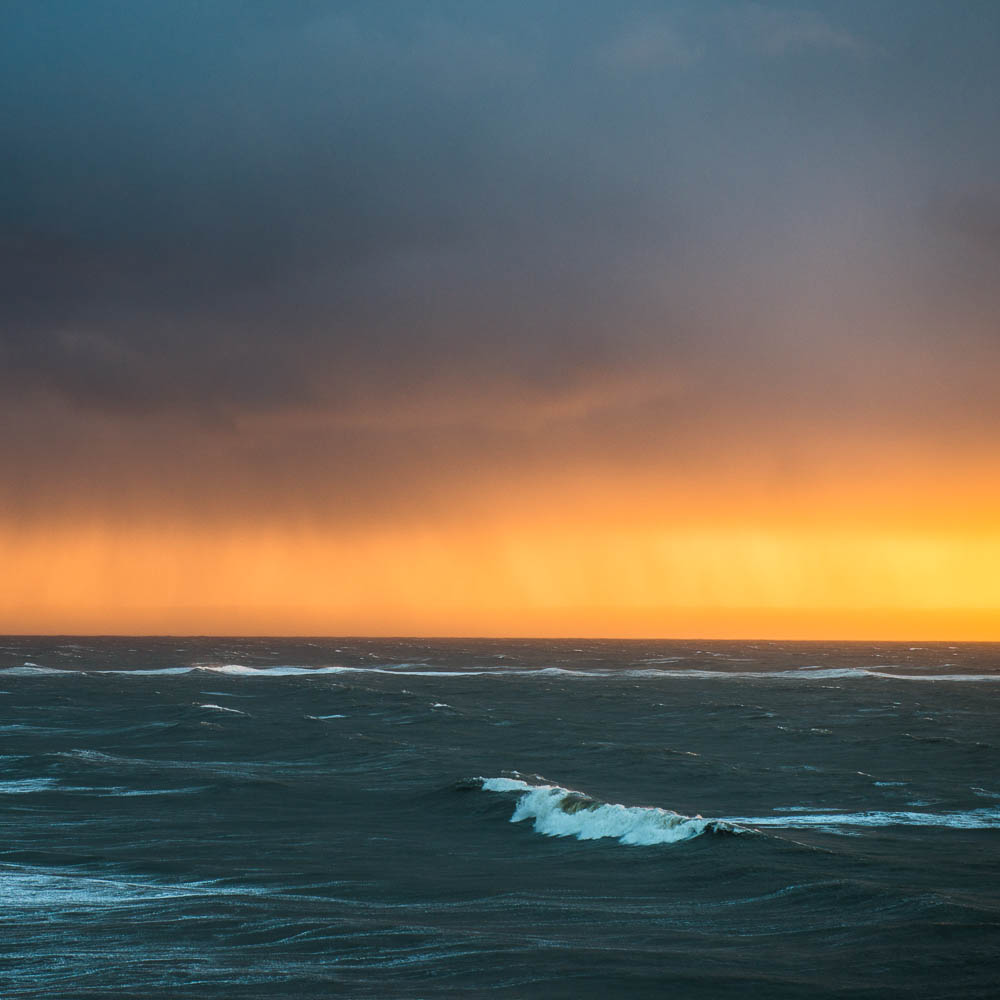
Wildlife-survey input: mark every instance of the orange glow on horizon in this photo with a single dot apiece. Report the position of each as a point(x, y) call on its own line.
point(727, 581)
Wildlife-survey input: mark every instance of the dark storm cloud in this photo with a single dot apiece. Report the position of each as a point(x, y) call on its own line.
point(315, 228)
point(196, 205)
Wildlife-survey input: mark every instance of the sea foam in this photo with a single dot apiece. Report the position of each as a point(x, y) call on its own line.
point(973, 819)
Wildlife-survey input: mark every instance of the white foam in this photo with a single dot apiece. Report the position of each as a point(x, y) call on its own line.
point(239, 670)
point(983, 793)
point(131, 793)
point(975, 819)
point(320, 718)
point(24, 786)
point(799, 673)
point(650, 673)
point(973, 678)
point(221, 708)
point(33, 670)
point(22, 886)
point(562, 812)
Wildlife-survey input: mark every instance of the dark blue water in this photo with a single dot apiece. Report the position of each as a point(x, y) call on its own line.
point(275, 818)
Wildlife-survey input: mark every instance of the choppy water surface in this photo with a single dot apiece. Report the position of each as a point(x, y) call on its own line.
point(378, 818)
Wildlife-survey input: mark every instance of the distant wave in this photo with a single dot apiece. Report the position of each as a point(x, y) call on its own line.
point(807, 673)
point(33, 670)
point(156, 672)
point(562, 812)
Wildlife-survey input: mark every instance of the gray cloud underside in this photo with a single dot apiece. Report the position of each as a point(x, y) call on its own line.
point(319, 229)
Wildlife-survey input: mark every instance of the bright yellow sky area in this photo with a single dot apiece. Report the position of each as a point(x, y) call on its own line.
point(544, 580)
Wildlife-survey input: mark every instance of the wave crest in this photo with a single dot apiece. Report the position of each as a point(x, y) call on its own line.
point(563, 812)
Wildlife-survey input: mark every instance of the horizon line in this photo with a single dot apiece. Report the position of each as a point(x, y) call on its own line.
point(481, 638)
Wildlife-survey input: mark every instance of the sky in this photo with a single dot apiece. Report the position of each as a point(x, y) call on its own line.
point(541, 317)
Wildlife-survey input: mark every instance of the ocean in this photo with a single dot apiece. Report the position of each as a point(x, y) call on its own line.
point(237, 818)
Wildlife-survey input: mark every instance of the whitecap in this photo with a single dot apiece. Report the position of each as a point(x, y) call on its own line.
point(562, 812)
point(130, 793)
point(969, 678)
point(983, 793)
point(648, 673)
point(154, 672)
point(793, 809)
point(239, 670)
point(33, 670)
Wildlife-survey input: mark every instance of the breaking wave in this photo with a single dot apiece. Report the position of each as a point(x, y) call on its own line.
point(562, 812)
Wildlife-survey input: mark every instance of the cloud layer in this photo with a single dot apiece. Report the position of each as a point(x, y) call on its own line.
point(388, 264)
